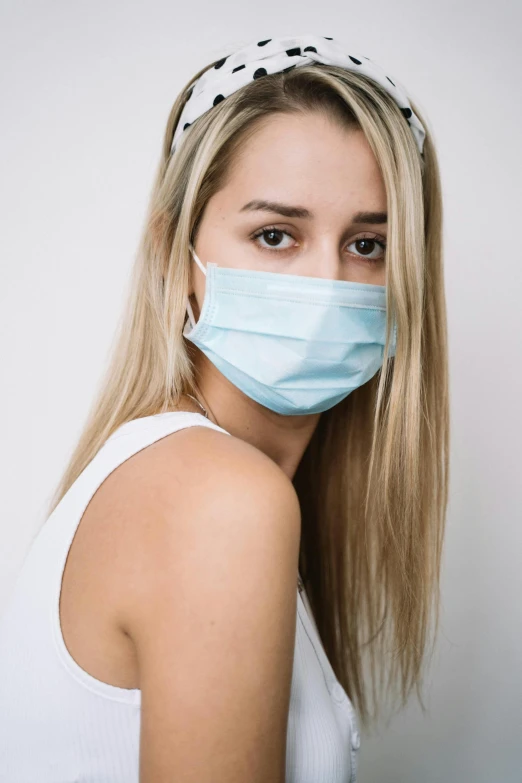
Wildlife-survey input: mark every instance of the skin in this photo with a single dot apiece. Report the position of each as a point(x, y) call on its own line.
point(306, 161)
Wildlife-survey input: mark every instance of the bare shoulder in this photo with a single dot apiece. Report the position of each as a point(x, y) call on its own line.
point(192, 482)
point(202, 491)
point(209, 565)
point(201, 464)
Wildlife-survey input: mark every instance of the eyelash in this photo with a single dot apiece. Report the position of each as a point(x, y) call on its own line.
point(266, 229)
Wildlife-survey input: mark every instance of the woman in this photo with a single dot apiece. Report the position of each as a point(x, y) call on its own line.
point(276, 410)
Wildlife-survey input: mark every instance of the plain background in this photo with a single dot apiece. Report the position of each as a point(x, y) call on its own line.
point(85, 93)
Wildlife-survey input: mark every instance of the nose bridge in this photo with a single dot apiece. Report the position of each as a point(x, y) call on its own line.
point(326, 262)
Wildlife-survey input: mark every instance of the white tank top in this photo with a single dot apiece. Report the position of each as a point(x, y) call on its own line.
point(59, 724)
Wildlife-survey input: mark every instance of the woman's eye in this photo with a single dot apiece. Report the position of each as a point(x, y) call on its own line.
point(369, 249)
point(368, 246)
point(273, 238)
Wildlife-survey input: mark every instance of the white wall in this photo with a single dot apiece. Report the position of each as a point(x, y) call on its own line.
point(85, 93)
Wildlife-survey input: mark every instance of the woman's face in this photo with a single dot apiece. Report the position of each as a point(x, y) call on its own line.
point(304, 197)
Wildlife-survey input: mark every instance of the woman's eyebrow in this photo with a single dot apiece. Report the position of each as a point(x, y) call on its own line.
point(301, 212)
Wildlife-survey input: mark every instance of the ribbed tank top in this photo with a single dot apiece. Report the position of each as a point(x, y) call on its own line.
point(59, 724)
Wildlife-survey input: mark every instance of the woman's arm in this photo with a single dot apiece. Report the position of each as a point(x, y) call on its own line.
point(211, 608)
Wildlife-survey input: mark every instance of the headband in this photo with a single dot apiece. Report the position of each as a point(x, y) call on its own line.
point(282, 54)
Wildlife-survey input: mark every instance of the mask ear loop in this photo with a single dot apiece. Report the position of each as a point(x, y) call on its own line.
point(191, 314)
point(196, 259)
point(189, 306)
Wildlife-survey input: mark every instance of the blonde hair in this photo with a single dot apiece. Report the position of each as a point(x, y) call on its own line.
point(373, 481)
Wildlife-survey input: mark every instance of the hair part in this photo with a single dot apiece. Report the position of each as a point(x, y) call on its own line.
point(373, 481)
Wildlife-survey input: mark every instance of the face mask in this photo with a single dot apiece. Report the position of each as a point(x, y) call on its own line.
point(297, 345)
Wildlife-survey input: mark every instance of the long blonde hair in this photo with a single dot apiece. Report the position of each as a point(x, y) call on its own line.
point(373, 481)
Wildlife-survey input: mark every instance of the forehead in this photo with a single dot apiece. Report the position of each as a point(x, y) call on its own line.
point(298, 156)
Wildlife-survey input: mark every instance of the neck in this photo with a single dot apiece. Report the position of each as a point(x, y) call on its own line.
point(282, 438)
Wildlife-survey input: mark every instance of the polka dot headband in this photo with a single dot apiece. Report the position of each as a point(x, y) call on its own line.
point(282, 54)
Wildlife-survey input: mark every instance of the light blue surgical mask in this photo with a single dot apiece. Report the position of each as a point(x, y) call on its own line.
point(294, 344)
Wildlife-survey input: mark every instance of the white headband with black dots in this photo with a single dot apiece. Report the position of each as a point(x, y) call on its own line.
point(283, 54)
